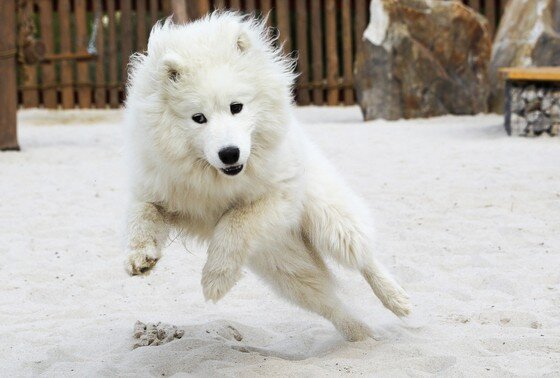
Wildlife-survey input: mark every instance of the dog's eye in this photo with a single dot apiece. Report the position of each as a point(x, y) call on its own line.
point(235, 107)
point(199, 118)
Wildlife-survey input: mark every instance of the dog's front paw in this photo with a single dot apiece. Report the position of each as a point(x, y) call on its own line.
point(141, 261)
point(216, 284)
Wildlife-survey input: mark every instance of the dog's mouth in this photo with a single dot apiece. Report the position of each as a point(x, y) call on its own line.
point(232, 171)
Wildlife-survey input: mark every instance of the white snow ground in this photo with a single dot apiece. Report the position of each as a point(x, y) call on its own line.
point(468, 220)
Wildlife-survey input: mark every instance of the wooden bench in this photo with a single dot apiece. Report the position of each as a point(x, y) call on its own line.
point(520, 75)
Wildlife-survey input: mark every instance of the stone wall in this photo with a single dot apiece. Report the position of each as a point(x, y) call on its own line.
point(537, 109)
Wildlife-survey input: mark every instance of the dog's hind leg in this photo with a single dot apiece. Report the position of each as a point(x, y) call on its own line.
point(336, 225)
point(301, 276)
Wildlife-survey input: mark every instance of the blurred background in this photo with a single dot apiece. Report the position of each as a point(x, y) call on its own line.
point(326, 35)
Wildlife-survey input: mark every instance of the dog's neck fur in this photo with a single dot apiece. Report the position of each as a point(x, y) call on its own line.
point(195, 195)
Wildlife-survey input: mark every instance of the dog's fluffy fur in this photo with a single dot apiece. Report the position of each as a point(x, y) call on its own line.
point(283, 214)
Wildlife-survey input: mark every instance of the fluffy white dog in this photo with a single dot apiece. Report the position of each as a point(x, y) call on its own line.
point(216, 152)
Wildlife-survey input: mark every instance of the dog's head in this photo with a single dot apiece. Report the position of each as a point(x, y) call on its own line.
point(211, 91)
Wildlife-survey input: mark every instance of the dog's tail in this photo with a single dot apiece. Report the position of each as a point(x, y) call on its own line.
point(386, 289)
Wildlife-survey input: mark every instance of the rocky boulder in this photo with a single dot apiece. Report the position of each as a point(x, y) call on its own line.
point(423, 58)
point(528, 35)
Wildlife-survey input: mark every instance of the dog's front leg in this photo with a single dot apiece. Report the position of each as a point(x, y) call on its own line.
point(231, 244)
point(146, 234)
point(227, 252)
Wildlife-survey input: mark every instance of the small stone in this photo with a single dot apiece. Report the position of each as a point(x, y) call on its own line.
point(236, 334)
point(517, 103)
point(555, 112)
point(529, 93)
point(546, 104)
point(536, 324)
point(155, 334)
point(542, 125)
point(139, 329)
point(534, 116)
point(533, 105)
point(521, 123)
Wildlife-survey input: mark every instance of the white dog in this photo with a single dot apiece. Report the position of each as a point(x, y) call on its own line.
point(217, 154)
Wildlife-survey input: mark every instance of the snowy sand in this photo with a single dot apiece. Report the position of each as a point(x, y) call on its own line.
point(468, 220)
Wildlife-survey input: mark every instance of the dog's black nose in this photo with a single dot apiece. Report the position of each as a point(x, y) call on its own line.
point(229, 155)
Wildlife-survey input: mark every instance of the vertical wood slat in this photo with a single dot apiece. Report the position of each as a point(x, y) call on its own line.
point(283, 22)
point(303, 56)
point(266, 8)
point(126, 38)
point(179, 11)
point(154, 12)
point(100, 87)
point(332, 52)
point(219, 4)
point(251, 5)
point(8, 84)
point(197, 8)
point(166, 8)
point(83, 84)
point(112, 53)
point(203, 7)
point(66, 66)
point(317, 51)
point(235, 4)
point(48, 74)
point(193, 10)
point(361, 12)
point(30, 92)
point(347, 55)
point(141, 34)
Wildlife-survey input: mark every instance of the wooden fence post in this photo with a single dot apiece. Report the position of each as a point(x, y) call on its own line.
point(141, 35)
point(66, 67)
point(317, 51)
point(303, 96)
point(332, 53)
point(283, 23)
point(100, 93)
point(83, 84)
point(114, 84)
point(179, 9)
point(30, 89)
point(348, 56)
point(8, 85)
point(48, 73)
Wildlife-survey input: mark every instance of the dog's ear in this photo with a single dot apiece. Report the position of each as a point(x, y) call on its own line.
point(171, 67)
point(243, 41)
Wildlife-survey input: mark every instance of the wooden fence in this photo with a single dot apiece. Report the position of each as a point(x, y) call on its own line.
point(324, 33)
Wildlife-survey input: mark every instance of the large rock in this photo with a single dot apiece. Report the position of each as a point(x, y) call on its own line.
point(423, 58)
point(528, 36)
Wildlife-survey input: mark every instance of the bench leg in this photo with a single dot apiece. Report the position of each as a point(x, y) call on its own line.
point(507, 110)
